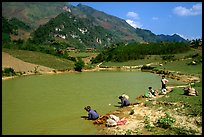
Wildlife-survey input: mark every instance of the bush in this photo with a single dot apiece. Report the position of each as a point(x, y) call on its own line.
point(183, 131)
point(166, 122)
point(8, 72)
point(79, 65)
point(168, 57)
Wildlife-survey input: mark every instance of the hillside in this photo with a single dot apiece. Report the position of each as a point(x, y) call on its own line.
point(19, 65)
point(33, 13)
point(39, 13)
point(37, 58)
point(76, 32)
point(117, 26)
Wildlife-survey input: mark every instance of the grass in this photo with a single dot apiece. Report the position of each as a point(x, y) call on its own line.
point(41, 59)
point(192, 104)
point(82, 54)
point(182, 67)
point(149, 59)
point(177, 65)
point(192, 107)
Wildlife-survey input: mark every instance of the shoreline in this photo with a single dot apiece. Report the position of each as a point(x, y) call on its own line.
point(180, 77)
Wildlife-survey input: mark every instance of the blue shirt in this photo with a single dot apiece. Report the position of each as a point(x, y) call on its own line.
point(124, 102)
point(93, 114)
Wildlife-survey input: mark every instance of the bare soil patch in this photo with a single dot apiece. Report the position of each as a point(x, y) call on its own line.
point(22, 66)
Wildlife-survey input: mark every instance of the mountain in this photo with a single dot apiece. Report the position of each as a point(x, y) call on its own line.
point(172, 38)
point(32, 13)
point(73, 31)
point(115, 25)
point(104, 29)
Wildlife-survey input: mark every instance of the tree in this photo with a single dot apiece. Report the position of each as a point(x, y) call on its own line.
point(79, 65)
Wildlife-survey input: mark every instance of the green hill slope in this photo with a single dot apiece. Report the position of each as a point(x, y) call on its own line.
point(41, 59)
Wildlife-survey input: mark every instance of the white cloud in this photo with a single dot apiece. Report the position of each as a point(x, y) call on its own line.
point(133, 15)
point(155, 18)
point(134, 23)
point(183, 11)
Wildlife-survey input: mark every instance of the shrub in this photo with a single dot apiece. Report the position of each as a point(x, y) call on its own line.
point(168, 57)
point(128, 132)
point(8, 72)
point(79, 65)
point(166, 122)
point(183, 131)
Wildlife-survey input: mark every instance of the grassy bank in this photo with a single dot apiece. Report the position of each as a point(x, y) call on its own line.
point(41, 59)
point(179, 62)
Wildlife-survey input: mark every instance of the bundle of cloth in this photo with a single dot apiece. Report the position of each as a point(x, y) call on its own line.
point(110, 120)
point(115, 121)
point(190, 91)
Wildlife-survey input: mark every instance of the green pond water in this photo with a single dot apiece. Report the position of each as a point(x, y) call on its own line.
point(54, 104)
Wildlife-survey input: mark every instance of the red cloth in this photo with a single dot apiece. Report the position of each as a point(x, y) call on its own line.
point(121, 122)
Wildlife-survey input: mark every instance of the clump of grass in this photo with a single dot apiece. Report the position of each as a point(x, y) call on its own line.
point(148, 125)
point(183, 131)
point(166, 122)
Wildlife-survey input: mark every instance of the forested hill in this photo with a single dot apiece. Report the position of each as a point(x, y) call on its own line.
point(74, 31)
point(12, 27)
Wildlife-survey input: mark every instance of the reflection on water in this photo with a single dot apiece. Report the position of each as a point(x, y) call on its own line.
point(53, 104)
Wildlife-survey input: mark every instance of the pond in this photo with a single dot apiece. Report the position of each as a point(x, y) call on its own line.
point(54, 104)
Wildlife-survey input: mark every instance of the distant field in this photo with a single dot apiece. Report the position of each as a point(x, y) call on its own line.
point(82, 54)
point(177, 65)
point(41, 59)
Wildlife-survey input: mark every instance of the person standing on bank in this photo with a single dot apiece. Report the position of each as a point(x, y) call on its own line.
point(164, 81)
point(92, 114)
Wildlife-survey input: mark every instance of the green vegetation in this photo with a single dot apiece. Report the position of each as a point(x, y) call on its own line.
point(134, 51)
point(8, 72)
point(58, 49)
point(148, 126)
point(11, 27)
point(19, 24)
point(166, 122)
point(77, 32)
point(180, 62)
point(186, 105)
point(79, 65)
point(41, 59)
point(6, 25)
point(82, 54)
point(193, 104)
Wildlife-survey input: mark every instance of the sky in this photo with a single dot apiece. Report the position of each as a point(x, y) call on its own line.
point(168, 18)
